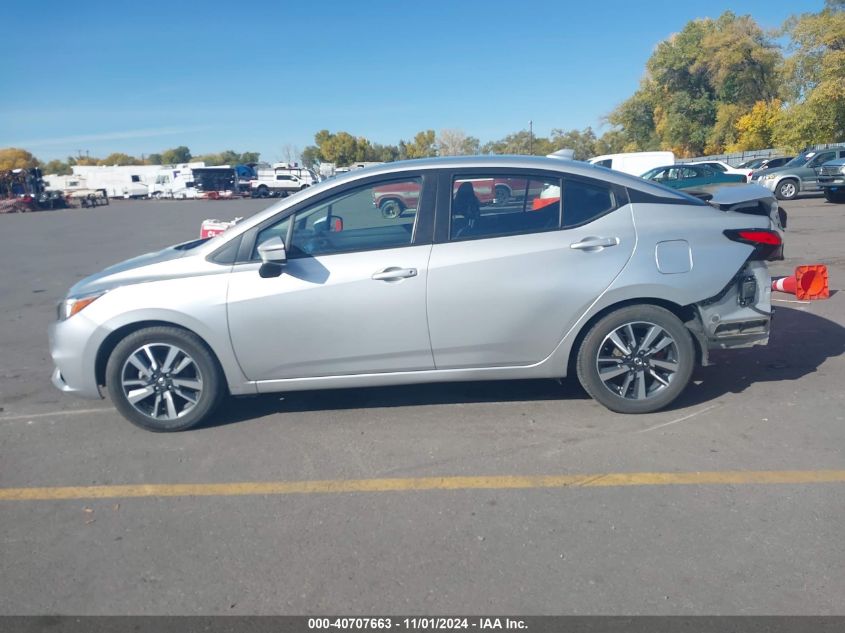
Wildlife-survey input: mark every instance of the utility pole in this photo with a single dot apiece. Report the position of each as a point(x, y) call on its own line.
point(531, 137)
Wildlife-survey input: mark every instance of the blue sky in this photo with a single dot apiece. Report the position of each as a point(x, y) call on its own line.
point(140, 77)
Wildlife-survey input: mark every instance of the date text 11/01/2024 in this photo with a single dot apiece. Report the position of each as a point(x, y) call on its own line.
point(416, 623)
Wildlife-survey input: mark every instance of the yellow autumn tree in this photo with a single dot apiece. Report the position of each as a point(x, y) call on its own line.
point(16, 158)
point(755, 130)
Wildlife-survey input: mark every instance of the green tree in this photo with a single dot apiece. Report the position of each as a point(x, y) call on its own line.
point(724, 132)
point(583, 142)
point(311, 156)
point(119, 158)
point(384, 153)
point(154, 159)
point(56, 167)
point(522, 142)
point(698, 83)
point(814, 79)
point(176, 155)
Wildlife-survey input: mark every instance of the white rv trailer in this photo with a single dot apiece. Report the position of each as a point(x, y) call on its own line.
point(119, 181)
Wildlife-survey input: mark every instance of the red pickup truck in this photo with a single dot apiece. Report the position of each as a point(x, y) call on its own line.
point(392, 200)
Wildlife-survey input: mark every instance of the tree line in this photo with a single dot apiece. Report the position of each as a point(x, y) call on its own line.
point(16, 158)
point(718, 85)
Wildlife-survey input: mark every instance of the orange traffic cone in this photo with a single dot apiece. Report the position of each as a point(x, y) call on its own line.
point(808, 283)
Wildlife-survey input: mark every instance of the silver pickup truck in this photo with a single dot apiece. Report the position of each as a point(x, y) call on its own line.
point(831, 178)
point(798, 175)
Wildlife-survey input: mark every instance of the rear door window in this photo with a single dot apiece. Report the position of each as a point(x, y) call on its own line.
point(501, 205)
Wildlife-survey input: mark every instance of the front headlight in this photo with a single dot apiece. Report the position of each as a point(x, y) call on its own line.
point(769, 177)
point(69, 307)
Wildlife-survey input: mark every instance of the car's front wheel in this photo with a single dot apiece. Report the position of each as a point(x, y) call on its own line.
point(787, 189)
point(637, 359)
point(164, 379)
point(390, 209)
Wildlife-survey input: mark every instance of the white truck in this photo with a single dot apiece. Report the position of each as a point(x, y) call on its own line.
point(175, 182)
point(281, 179)
point(634, 163)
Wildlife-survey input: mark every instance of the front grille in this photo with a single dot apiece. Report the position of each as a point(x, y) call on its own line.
point(832, 170)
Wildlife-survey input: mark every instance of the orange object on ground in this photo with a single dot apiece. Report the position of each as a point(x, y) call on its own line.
point(808, 283)
point(539, 203)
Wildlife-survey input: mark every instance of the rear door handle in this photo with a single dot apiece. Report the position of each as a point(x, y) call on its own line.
point(391, 274)
point(594, 243)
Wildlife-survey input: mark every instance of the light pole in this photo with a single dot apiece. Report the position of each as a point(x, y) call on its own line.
point(531, 137)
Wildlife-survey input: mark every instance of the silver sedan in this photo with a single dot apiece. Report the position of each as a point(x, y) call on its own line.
point(474, 268)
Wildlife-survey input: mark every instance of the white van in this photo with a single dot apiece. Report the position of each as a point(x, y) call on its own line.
point(634, 163)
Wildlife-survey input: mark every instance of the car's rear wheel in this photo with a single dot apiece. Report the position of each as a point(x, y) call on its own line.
point(637, 359)
point(787, 189)
point(164, 379)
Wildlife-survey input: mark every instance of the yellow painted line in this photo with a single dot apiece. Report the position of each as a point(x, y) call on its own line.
point(504, 482)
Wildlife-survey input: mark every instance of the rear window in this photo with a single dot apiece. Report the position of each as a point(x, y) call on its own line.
point(585, 201)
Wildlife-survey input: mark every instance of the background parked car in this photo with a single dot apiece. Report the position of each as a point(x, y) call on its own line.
point(831, 178)
point(689, 175)
point(720, 165)
point(798, 175)
point(761, 164)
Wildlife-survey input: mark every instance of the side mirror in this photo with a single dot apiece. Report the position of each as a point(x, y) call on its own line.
point(323, 226)
point(273, 257)
point(273, 251)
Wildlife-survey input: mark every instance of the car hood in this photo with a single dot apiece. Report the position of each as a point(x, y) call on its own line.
point(780, 170)
point(153, 266)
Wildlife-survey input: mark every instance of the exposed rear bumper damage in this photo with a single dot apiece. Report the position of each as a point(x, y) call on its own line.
point(739, 316)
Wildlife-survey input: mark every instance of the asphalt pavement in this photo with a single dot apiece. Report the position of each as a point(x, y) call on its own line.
point(521, 497)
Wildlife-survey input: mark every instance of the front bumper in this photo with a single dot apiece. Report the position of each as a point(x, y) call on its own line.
point(73, 349)
point(835, 183)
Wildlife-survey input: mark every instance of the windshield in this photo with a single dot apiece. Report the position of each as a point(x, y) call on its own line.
point(799, 160)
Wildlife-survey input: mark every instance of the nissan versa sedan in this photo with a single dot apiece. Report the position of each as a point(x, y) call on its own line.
point(581, 270)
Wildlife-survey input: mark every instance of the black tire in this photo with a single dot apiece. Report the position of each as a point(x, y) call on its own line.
point(837, 197)
point(787, 189)
point(681, 352)
point(263, 192)
point(161, 338)
point(391, 208)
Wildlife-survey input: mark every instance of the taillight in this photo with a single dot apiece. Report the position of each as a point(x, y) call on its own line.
point(767, 244)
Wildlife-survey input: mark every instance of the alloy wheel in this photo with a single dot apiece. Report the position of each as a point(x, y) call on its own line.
point(637, 360)
point(161, 381)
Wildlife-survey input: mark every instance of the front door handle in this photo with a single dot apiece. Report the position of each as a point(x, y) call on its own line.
point(393, 273)
point(594, 243)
